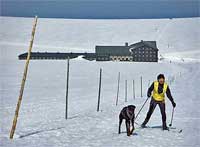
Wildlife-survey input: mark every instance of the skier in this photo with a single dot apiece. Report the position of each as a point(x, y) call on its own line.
point(159, 89)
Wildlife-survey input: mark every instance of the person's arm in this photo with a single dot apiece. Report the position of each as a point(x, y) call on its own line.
point(150, 90)
point(168, 92)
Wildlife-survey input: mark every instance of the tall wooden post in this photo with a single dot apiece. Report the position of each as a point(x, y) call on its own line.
point(67, 89)
point(141, 85)
point(23, 81)
point(118, 88)
point(125, 90)
point(99, 94)
point(133, 89)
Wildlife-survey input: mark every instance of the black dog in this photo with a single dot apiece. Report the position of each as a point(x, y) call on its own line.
point(127, 113)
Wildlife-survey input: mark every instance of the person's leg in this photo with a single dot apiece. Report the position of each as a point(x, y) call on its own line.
point(162, 110)
point(150, 111)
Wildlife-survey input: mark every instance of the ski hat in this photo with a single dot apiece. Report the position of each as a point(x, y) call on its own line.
point(160, 76)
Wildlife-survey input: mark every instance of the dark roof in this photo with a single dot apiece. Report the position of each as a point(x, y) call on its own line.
point(151, 44)
point(113, 50)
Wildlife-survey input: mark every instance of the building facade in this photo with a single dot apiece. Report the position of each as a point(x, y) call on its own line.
point(144, 51)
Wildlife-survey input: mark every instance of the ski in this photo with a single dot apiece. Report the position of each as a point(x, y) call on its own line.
point(171, 129)
point(174, 129)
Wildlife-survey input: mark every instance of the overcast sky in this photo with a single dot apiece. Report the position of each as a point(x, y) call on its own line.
point(101, 8)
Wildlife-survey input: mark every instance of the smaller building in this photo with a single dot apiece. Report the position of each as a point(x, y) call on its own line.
point(56, 56)
point(143, 51)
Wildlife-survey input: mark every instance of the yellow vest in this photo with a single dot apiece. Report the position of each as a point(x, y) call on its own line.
point(159, 96)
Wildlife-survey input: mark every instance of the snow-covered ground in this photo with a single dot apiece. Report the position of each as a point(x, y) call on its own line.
point(41, 121)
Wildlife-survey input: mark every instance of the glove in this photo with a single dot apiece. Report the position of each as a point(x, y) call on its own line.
point(173, 104)
point(148, 94)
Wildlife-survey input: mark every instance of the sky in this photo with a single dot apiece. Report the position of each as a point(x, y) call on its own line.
point(101, 9)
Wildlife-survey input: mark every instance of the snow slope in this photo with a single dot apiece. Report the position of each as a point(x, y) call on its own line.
point(41, 120)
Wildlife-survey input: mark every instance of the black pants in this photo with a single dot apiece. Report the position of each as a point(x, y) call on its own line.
point(152, 106)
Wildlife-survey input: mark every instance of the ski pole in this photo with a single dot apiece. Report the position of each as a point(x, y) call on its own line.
point(141, 108)
point(172, 117)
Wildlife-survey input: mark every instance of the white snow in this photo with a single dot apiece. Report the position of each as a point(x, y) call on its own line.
point(42, 121)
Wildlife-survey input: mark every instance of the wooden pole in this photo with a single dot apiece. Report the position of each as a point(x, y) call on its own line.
point(23, 81)
point(99, 94)
point(141, 85)
point(133, 89)
point(125, 90)
point(67, 89)
point(118, 88)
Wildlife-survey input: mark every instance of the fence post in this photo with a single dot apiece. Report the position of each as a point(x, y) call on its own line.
point(67, 89)
point(133, 89)
point(118, 88)
point(23, 81)
point(99, 94)
point(141, 85)
point(125, 90)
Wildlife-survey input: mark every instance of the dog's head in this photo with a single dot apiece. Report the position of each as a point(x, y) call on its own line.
point(131, 109)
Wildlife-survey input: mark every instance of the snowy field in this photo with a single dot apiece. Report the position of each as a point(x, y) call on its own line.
point(42, 121)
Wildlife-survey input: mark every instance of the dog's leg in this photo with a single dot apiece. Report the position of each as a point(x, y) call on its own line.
point(128, 127)
point(133, 127)
point(120, 122)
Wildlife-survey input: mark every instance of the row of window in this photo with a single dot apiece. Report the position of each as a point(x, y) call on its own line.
point(49, 58)
point(145, 52)
point(145, 56)
point(122, 59)
point(143, 48)
point(105, 59)
point(144, 59)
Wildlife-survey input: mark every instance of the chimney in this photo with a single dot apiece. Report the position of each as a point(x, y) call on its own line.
point(126, 44)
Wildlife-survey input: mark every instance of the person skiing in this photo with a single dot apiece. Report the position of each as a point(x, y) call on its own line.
point(159, 89)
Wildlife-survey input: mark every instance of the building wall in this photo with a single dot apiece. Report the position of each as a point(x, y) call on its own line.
point(122, 53)
point(145, 54)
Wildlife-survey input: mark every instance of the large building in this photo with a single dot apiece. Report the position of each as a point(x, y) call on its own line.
point(144, 51)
